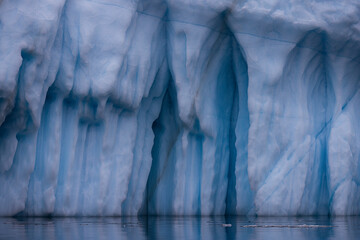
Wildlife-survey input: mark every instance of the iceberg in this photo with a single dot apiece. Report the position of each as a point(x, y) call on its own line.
point(169, 107)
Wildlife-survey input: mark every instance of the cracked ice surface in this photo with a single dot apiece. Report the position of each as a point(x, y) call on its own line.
point(116, 107)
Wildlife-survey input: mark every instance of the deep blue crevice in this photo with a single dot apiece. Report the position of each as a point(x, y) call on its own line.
point(166, 129)
point(231, 190)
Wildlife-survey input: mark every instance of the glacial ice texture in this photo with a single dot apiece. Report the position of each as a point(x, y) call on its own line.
point(118, 107)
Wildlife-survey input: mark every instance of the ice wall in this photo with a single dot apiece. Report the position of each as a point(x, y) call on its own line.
point(116, 107)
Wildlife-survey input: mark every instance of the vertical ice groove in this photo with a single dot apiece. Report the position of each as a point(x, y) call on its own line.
point(42, 186)
point(231, 199)
point(166, 130)
point(243, 193)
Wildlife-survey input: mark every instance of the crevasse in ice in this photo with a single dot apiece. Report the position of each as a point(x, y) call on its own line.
point(118, 107)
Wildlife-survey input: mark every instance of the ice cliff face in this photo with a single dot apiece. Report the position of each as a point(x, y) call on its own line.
point(118, 107)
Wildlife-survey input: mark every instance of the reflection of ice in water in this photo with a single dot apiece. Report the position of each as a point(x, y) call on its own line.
point(181, 228)
point(286, 226)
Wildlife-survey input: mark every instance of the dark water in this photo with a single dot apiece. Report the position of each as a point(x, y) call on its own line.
point(181, 228)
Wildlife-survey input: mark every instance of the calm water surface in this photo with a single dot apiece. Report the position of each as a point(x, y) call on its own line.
point(181, 228)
